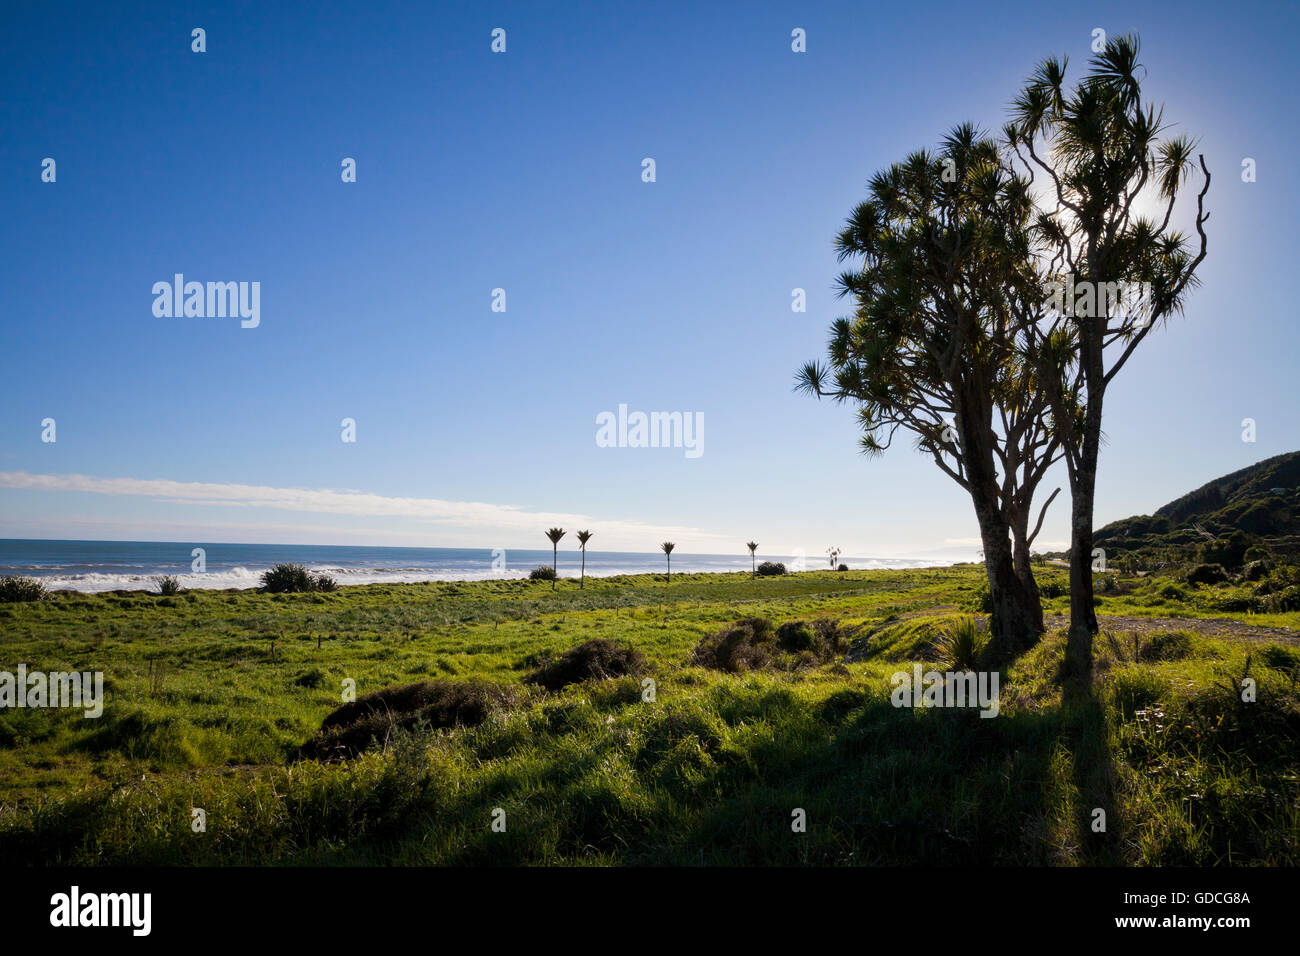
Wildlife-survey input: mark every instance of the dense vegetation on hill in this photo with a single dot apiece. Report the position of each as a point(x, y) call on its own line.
point(1247, 516)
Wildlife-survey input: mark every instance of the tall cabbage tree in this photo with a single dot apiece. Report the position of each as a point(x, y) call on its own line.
point(583, 538)
point(1112, 183)
point(555, 534)
point(942, 279)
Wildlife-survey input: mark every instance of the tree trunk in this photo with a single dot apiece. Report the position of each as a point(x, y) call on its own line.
point(555, 564)
point(583, 585)
point(1024, 568)
point(1083, 489)
point(1016, 613)
point(1083, 615)
point(1016, 616)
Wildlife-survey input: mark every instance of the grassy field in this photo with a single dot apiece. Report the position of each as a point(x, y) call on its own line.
point(210, 695)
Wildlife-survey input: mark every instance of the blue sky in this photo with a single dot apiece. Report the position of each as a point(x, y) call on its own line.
point(522, 171)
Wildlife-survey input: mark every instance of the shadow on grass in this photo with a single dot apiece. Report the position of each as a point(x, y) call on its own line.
point(877, 785)
point(719, 778)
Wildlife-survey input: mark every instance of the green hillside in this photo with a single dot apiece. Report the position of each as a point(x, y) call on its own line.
point(1247, 515)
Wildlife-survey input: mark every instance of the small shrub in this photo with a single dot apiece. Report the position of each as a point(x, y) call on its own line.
point(1256, 570)
point(1257, 552)
point(1172, 592)
point(1229, 551)
point(295, 579)
point(842, 567)
point(542, 573)
point(769, 568)
point(15, 588)
point(1051, 588)
point(753, 644)
point(1279, 578)
point(168, 585)
point(287, 579)
point(831, 638)
point(1169, 646)
point(313, 678)
point(743, 646)
point(383, 715)
point(960, 646)
point(596, 659)
point(1241, 604)
point(1286, 600)
point(1207, 574)
point(795, 636)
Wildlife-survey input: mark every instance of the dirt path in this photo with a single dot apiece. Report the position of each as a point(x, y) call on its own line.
point(1205, 626)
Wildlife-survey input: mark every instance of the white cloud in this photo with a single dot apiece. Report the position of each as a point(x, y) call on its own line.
point(445, 515)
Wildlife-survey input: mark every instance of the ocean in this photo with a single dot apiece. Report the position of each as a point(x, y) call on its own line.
point(133, 565)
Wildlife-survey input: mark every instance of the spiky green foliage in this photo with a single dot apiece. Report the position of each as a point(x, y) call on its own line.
point(168, 585)
point(960, 646)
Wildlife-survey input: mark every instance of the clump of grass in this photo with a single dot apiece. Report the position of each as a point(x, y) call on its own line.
point(1279, 657)
point(15, 588)
point(1169, 646)
point(744, 646)
point(168, 585)
point(753, 644)
point(140, 734)
point(376, 717)
point(1132, 689)
point(542, 572)
point(596, 659)
point(311, 679)
point(961, 646)
point(294, 579)
point(1172, 592)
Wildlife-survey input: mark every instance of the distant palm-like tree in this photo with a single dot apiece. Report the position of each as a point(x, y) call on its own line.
point(668, 550)
point(753, 548)
point(583, 538)
point(834, 555)
point(555, 534)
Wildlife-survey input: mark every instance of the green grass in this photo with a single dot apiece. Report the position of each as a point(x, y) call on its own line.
point(210, 694)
